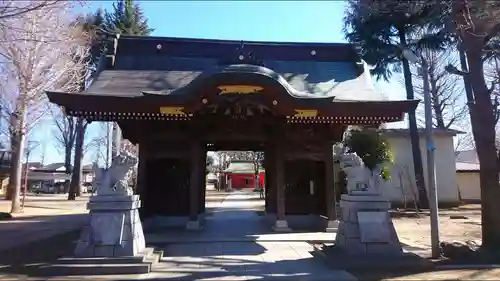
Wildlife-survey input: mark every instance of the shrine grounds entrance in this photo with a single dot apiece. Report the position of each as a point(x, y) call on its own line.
point(172, 178)
point(174, 96)
point(304, 176)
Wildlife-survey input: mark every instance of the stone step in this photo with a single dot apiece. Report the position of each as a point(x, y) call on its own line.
point(155, 258)
point(142, 257)
point(105, 266)
point(159, 253)
point(95, 269)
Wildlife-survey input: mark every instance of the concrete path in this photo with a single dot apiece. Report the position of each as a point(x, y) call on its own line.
point(230, 247)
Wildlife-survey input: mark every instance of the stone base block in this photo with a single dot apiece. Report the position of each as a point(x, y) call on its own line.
point(310, 222)
point(332, 226)
point(281, 226)
point(365, 227)
point(114, 228)
point(340, 259)
point(161, 221)
point(193, 225)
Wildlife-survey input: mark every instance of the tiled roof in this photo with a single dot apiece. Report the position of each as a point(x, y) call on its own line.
point(240, 167)
point(403, 132)
point(55, 166)
point(304, 79)
point(88, 167)
point(334, 70)
point(467, 167)
point(467, 156)
point(33, 165)
point(52, 166)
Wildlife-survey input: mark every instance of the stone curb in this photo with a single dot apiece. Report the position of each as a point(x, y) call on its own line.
point(318, 253)
point(408, 261)
point(413, 244)
point(467, 266)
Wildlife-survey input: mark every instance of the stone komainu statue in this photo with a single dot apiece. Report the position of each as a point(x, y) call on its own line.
point(359, 177)
point(115, 179)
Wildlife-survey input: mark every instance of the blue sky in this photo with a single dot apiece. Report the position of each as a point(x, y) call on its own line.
point(293, 21)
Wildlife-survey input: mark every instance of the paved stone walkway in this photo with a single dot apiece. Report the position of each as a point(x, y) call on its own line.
point(231, 247)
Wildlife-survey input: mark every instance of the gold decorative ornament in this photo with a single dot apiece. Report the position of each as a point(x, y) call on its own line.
point(239, 89)
point(172, 110)
point(305, 113)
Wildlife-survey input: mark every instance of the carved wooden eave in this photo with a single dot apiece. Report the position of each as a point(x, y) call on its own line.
point(105, 108)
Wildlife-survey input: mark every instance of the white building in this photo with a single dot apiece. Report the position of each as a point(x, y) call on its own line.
point(468, 176)
point(401, 188)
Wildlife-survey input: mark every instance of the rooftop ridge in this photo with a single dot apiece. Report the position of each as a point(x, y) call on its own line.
point(235, 41)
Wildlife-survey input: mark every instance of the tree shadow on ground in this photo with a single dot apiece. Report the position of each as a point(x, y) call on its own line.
point(418, 268)
point(213, 268)
point(456, 273)
point(26, 259)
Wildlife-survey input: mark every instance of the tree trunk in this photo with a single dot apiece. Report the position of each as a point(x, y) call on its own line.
point(15, 175)
point(423, 200)
point(67, 165)
point(468, 90)
point(483, 122)
point(438, 110)
point(76, 176)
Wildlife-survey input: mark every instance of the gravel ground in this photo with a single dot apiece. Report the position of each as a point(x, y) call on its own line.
point(462, 224)
point(442, 275)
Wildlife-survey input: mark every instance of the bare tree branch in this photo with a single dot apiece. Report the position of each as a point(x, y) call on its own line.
point(40, 50)
point(464, 142)
point(9, 9)
point(448, 107)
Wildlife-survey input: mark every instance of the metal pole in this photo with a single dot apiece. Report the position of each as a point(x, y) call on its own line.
point(433, 199)
point(108, 143)
point(25, 177)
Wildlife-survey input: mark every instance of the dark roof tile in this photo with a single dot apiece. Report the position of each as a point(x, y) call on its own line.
point(133, 76)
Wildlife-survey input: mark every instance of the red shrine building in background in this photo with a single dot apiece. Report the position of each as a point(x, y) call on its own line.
point(242, 174)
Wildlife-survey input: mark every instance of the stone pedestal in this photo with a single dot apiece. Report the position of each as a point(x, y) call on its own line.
point(332, 226)
point(281, 226)
point(114, 228)
point(365, 226)
point(193, 225)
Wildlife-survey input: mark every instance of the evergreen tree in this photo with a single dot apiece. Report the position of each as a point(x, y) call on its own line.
point(475, 29)
point(382, 29)
point(127, 18)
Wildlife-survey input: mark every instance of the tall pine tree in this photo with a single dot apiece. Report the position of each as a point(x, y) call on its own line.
point(382, 29)
point(127, 18)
